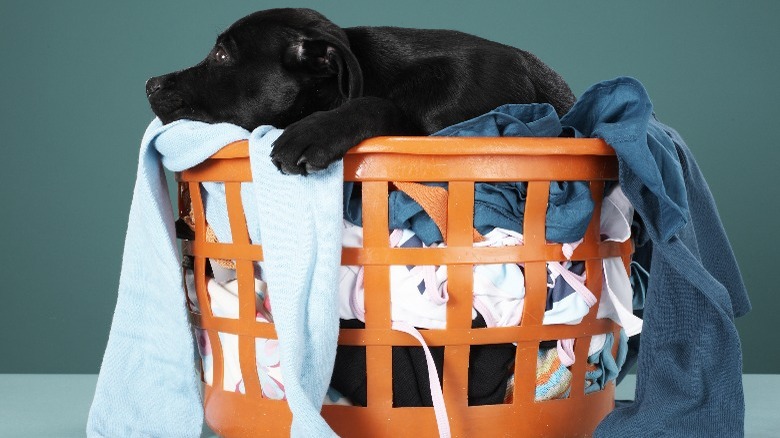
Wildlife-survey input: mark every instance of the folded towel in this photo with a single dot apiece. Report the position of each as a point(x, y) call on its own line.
point(148, 383)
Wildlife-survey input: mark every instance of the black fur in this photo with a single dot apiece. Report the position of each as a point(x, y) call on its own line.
point(331, 88)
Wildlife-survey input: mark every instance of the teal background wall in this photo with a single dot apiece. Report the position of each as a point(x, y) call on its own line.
point(73, 109)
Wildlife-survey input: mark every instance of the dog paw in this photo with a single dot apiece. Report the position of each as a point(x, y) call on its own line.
point(311, 144)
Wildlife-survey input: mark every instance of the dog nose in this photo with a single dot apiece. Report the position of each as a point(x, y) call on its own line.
point(152, 85)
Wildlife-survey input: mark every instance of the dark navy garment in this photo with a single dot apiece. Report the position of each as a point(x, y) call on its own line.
point(689, 375)
point(496, 204)
point(489, 370)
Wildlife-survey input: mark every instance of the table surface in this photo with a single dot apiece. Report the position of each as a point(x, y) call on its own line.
point(56, 405)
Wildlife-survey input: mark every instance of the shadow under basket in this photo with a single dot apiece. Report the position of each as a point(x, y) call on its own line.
point(376, 164)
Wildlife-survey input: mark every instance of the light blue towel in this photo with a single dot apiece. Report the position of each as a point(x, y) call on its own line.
point(148, 383)
point(300, 223)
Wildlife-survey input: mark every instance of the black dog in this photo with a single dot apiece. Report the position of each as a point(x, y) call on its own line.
point(332, 88)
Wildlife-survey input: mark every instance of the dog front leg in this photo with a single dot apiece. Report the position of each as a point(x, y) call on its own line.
point(316, 141)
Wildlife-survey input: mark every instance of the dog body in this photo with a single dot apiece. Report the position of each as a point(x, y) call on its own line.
point(331, 88)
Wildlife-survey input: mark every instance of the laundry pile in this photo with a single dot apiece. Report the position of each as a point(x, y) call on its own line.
point(499, 294)
point(419, 293)
point(683, 275)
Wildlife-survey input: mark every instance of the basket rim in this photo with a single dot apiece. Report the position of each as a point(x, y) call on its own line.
point(427, 145)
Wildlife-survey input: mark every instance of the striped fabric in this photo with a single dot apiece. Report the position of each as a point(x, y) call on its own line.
point(553, 379)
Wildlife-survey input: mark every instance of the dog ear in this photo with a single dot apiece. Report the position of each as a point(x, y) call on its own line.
point(325, 55)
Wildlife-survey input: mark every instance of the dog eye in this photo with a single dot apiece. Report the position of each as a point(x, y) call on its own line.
point(220, 55)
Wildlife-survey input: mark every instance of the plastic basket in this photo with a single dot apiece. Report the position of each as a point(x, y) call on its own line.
point(460, 162)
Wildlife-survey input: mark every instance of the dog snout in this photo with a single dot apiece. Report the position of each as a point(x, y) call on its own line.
point(153, 85)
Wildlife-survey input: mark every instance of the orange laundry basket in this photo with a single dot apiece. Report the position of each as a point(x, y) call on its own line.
point(460, 162)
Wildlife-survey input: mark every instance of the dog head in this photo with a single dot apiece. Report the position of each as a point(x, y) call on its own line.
point(272, 67)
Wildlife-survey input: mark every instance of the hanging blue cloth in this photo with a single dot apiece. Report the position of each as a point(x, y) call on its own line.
point(689, 377)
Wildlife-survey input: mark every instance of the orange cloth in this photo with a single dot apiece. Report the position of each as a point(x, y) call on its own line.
point(434, 201)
